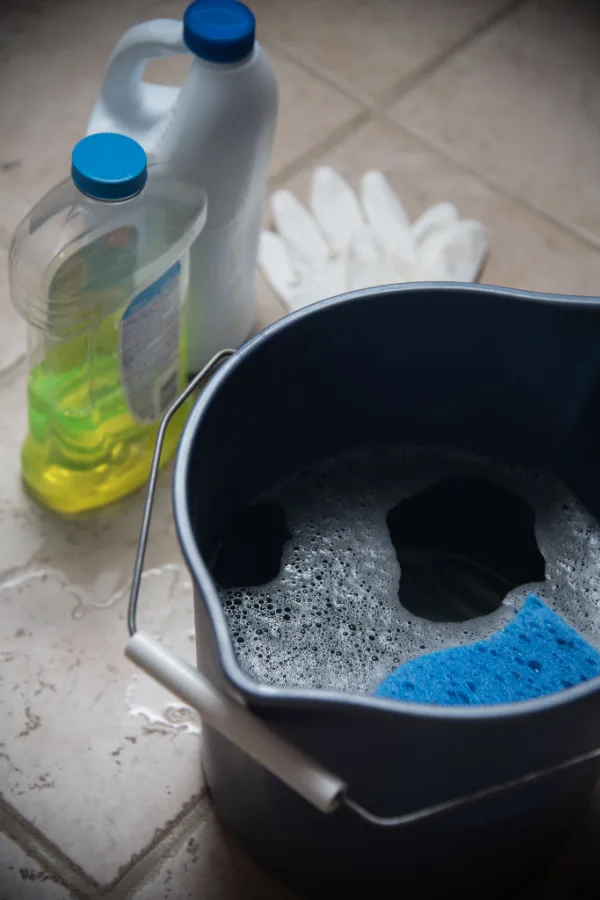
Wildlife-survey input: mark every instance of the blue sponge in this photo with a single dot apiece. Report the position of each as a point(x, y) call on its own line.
point(537, 654)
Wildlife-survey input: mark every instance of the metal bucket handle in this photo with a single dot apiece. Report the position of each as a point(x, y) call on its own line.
point(300, 772)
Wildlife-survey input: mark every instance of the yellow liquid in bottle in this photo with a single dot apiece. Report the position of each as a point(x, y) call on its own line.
point(84, 448)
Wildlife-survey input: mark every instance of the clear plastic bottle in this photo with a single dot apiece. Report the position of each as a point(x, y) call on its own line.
point(99, 269)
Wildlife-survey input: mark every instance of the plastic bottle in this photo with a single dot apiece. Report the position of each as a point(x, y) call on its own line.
point(216, 130)
point(99, 269)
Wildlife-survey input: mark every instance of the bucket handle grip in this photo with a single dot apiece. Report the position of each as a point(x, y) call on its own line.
point(227, 716)
point(320, 787)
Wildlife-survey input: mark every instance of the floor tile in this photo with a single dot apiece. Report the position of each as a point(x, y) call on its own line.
point(93, 752)
point(210, 866)
point(522, 106)
point(52, 59)
point(309, 111)
point(525, 251)
point(21, 878)
point(370, 45)
point(12, 333)
point(13, 208)
point(268, 306)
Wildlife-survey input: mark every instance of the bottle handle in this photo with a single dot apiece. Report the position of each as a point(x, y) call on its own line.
point(127, 103)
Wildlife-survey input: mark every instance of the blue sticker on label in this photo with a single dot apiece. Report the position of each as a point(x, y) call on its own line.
point(150, 347)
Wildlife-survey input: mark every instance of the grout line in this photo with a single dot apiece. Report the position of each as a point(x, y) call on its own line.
point(130, 877)
point(384, 98)
point(146, 864)
point(305, 159)
point(52, 860)
point(329, 76)
point(370, 105)
point(591, 240)
point(414, 78)
point(10, 373)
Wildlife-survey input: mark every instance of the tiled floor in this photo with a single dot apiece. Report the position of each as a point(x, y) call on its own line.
point(493, 104)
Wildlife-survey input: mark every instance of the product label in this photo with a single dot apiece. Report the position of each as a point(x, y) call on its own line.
point(149, 347)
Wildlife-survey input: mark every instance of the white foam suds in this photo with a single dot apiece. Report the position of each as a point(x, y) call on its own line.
point(332, 617)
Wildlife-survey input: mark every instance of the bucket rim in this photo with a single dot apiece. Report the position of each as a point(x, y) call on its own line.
point(257, 695)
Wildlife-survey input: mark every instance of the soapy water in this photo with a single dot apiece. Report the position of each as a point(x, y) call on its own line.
point(311, 583)
point(158, 710)
point(168, 614)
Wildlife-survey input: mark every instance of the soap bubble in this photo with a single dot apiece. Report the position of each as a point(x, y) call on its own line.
point(332, 617)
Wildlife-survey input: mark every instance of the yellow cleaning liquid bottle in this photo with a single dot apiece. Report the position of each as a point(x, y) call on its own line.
point(99, 270)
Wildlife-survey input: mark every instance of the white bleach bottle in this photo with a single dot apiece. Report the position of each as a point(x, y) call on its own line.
point(216, 130)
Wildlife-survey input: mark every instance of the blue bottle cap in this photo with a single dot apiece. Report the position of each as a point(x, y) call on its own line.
point(109, 166)
point(220, 31)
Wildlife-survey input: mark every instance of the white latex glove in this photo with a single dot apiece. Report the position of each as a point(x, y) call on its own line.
point(347, 244)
